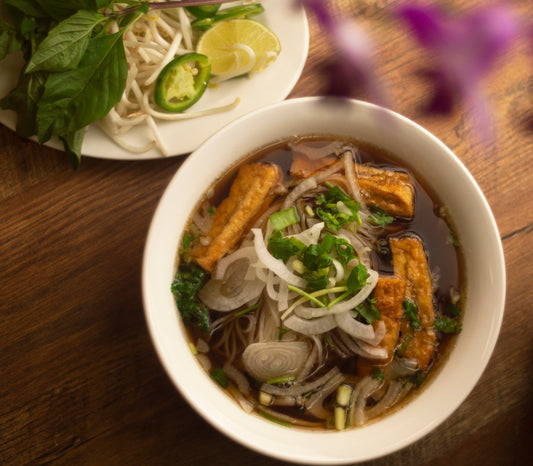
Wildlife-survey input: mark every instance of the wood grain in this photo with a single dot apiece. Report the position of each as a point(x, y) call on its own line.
point(80, 380)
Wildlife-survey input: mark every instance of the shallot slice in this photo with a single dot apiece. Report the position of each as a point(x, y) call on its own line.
point(273, 359)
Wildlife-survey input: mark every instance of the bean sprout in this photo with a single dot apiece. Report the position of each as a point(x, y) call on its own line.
point(150, 44)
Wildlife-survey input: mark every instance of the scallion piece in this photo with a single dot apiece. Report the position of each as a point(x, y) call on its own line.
point(288, 378)
point(284, 218)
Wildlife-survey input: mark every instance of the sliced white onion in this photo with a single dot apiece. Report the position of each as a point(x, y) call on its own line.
point(273, 359)
point(363, 349)
point(379, 333)
point(247, 252)
point(296, 389)
point(364, 389)
point(277, 266)
point(390, 398)
point(238, 377)
point(314, 404)
point(310, 327)
point(311, 235)
point(213, 298)
point(353, 327)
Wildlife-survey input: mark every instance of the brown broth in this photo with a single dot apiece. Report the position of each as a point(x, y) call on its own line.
point(444, 258)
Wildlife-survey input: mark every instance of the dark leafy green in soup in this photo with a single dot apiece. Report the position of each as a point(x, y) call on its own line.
point(321, 283)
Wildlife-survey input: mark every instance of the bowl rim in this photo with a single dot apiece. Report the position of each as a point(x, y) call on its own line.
point(283, 450)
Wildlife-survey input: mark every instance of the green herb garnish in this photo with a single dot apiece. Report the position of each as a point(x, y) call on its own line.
point(329, 210)
point(189, 279)
point(219, 376)
point(357, 278)
point(368, 310)
point(380, 217)
point(284, 218)
point(411, 311)
point(284, 248)
point(377, 373)
point(446, 324)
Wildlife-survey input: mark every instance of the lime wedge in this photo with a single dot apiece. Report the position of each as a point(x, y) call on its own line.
point(238, 46)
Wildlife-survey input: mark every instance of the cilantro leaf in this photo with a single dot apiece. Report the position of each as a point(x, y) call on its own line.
point(328, 208)
point(315, 258)
point(411, 311)
point(446, 324)
point(380, 217)
point(368, 311)
point(284, 248)
point(357, 278)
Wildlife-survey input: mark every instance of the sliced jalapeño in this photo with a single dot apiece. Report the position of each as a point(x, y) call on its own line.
point(182, 82)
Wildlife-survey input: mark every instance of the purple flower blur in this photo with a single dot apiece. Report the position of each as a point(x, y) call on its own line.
point(464, 51)
point(352, 69)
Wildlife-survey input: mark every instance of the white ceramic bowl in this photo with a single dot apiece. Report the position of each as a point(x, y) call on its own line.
point(475, 226)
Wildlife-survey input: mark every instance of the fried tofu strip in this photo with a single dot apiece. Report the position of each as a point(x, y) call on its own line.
point(410, 264)
point(389, 294)
point(389, 190)
point(249, 196)
point(304, 167)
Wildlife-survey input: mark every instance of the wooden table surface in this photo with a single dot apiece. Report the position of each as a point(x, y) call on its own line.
point(80, 382)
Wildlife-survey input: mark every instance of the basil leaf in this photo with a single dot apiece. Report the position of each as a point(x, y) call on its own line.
point(60, 9)
point(23, 99)
point(9, 42)
point(73, 99)
point(28, 7)
point(65, 44)
point(72, 143)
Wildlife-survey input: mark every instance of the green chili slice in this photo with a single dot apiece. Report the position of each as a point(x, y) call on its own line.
point(182, 82)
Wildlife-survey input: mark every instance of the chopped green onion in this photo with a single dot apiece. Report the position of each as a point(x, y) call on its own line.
point(339, 298)
point(340, 418)
point(246, 310)
point(404, 344)
point(288, 378)
point(265, 398)
point(274, 419)
point(298, 266)
point(344, 394)
point(219, 376)
point(377, 373)
point(282, 331)
point(284, 218)
point(193, 348)
point(310, 297)
point(315, 294)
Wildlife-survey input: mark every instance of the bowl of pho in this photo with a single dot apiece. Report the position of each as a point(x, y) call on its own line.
point(316, 284)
